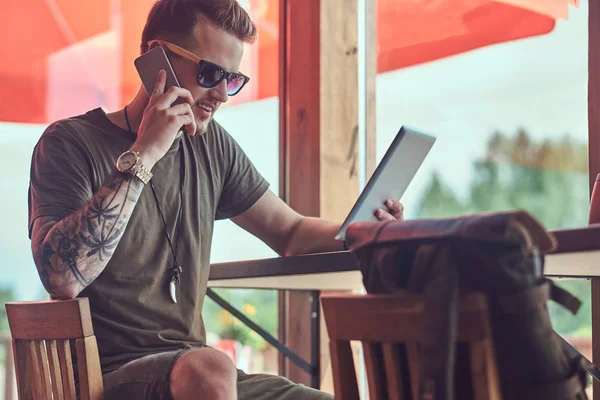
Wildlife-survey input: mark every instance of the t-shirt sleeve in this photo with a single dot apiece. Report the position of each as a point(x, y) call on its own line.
point(243, 185)
point(59, 177)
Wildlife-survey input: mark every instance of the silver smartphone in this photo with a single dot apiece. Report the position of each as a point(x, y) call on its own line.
point(149, 64)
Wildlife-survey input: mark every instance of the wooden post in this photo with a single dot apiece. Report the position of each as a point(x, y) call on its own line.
point(594, 158)
point(319, 131)
point(371, 85)
point(593, 92)
point(283, 170)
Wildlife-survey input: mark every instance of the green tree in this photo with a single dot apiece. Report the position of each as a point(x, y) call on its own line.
point(547, 179)
point(440, 200)
point(6, 294)
point(260, 306)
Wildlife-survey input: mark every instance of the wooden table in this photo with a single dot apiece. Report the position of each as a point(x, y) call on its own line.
point(577, 256)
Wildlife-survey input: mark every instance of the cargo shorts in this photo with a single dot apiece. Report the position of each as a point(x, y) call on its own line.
point(148, 378)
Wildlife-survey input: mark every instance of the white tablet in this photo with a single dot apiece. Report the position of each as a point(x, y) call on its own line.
point(392, 176)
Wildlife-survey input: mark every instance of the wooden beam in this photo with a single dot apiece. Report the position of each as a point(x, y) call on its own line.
point(595, 282)
point(301, 106)
point(593, 92)
point(319, 131)
point(371, 86)
point(299, 137)
point(283, 170)
point(594, 159)
point(338, 102)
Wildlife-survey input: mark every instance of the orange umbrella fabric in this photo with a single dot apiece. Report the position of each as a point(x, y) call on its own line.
point(63, 57)
point(412, 32)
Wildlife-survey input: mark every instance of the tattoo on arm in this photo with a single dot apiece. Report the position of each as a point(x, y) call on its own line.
point(72, 253)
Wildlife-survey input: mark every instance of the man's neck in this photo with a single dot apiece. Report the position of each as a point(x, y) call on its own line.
point(135, 112)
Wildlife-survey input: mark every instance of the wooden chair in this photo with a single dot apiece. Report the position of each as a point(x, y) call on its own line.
point(390, 329)
point(43, 333)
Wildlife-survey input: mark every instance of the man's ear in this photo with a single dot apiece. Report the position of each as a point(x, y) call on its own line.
point(153, 43)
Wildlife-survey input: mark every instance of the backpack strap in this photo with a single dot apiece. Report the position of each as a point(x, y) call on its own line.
point(564, 298)
point(537, 296)
point(435, 266)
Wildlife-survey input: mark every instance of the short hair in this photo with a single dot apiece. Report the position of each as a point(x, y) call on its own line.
point(174, 20)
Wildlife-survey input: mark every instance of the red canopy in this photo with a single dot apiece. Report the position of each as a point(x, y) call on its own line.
point(415, 31)
point(62, 57)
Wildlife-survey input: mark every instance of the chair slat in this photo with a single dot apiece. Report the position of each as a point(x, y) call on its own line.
point(22, 368)
point(485, 385)
point(344, 373)
point(54, 366)
point(493, 376)
point(375, 372)
point(414, 368)
point(88, 365)
point(393, 371)
point(42, 358)
point(66, 369)
point(35, 370)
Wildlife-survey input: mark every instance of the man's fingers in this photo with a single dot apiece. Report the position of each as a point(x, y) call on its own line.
point(173, 94)
point(396, 208)
point(392, 210)
point(191, 127)
point(383, 215)
point(185, 110)
point(185, 119)
point(180, 109)
point(159, 87)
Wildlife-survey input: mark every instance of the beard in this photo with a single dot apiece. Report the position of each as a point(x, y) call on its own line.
point(202, 125)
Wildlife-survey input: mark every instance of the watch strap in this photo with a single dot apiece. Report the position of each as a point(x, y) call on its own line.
point(142, 173)
point(138, 170)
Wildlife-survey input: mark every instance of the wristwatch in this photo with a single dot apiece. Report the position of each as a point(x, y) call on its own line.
point(130, 163)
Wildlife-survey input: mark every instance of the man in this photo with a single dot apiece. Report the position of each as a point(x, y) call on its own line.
point(122, 207)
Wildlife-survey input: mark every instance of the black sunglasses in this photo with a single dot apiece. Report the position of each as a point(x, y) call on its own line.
point(209, 73)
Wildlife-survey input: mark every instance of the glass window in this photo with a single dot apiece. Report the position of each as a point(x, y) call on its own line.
point(79, 56)
point(254, 123)
point(511, 121)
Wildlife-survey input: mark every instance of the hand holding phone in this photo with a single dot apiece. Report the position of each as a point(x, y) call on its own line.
point(162, 119)
point(149, 64)
point(168, 106)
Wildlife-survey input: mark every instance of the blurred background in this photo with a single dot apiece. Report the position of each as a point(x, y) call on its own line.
point(510, 118)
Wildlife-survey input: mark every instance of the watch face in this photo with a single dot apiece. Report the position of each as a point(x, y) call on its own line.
point(127, 161)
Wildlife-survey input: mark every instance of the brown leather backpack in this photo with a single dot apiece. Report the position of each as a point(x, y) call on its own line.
point(500, 254)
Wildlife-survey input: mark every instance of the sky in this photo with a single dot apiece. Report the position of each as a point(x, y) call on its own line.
point(538, 83)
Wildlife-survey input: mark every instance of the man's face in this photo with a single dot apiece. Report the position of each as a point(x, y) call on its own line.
point(217, 46)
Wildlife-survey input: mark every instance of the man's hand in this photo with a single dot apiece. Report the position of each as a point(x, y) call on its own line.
point(162, 120)
point(394, 210)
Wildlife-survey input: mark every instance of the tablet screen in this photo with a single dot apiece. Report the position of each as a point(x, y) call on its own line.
point(392, 176)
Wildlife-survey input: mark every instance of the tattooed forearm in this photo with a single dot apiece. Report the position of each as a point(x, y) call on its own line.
point(71, 254)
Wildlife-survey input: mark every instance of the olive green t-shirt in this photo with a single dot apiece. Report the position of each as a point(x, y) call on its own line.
point(132, 312)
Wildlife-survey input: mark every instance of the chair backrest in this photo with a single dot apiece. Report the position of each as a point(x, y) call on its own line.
point(390, 329)
point(43, 335)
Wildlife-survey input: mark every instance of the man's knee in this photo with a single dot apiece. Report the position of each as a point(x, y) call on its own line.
point(206, 371)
